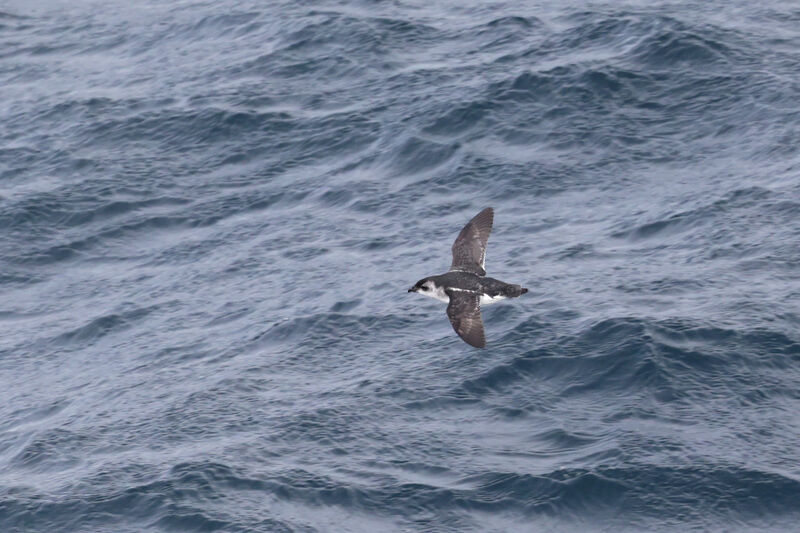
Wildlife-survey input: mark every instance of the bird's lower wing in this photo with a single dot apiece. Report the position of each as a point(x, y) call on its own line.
point(464, 312)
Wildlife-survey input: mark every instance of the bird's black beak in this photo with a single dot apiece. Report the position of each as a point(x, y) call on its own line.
point(412, 289)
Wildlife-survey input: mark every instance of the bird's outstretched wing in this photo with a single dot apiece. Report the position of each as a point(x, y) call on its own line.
point(464, 312)
point(469, 250)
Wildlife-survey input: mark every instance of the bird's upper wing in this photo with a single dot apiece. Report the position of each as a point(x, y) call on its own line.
point(469, 250)
point(464, 312)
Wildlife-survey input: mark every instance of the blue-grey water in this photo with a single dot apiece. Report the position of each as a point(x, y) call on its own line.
point(210, 214)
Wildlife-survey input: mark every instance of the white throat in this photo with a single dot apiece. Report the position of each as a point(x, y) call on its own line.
point(437, 294)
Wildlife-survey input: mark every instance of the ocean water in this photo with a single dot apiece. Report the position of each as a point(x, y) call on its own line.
point(210, 214)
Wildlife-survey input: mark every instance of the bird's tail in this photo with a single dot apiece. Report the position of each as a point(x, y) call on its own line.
point(517, 291)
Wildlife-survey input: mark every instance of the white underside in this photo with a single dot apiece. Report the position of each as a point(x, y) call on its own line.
point(486, 300)
point(439, 294)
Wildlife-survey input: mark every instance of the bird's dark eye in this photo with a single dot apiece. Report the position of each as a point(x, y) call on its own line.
point(424, 288)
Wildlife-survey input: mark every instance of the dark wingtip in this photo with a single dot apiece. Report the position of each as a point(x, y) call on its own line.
point(524, 290)
point(486, 213)
point(475, 343)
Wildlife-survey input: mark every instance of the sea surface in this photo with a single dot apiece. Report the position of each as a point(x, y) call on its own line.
point(211, 212)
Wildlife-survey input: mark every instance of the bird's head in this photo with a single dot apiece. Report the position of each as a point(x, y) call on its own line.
point(425, 285)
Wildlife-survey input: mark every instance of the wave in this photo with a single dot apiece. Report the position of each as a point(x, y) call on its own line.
point(668, 361)
point(188, 497)
point(103, 325)
point(728, 212)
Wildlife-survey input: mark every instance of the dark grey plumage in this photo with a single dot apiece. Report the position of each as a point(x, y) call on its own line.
point(466, 284)
point(481, 284)
point(469, 248)
point(464, 312)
